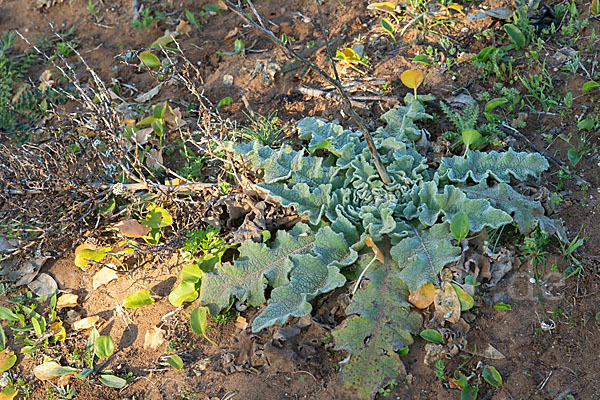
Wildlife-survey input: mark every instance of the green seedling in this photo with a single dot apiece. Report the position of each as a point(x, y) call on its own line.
point(146, 19)
point(350, 58)
point(440, 371)
point(266, 129)
point(471, 139)
point(139, 299)
point(388, 27)
point(588, 86)
point(199, 322)
point(239, 47)
point(225, 101)
point(502, 306)
point(459, 226)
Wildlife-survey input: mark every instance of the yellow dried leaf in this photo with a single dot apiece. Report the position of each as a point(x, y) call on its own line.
point(447, 304)
point(423, 297)
point(378, 253)
point(103, 277)
point(132, 228)
point(63, 380)
point(154, 338)
point(42, 370)
point(86, 323)
point(412, 78)
point(241, 323)
point(384, 6)
point(59, 330)
point(7, 359)
point(67, 300)
point(456, 7)
point(183, 28)
point(222, 5)
point(9, 393)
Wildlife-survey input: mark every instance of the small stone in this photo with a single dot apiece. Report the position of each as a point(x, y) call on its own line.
point(228, 80)
point(531, 280)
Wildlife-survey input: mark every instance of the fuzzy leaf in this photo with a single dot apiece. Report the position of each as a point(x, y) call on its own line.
point(401, 120)
point(257, 265)
point(453, 201)
point(527, 213)
point(423, 255)
point(501, 166)
point(382, 325)
point(313, 273)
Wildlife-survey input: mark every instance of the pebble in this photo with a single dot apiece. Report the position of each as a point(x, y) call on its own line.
point(531, 280)
point(227, 80)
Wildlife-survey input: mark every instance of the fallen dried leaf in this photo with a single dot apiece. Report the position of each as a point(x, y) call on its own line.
point(67, 300)
point(103, 277)
point(131, 228)
point(154, 338)
point(42, 370)
point(447, 304)
point(86, 323)
point(183, 28)
point(231, 34)
point(423, 297)
point(241, 323)
point(144, 97)
point(492, 353)
point(155, 159)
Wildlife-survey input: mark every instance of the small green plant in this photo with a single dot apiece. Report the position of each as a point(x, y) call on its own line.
point(350, 58)
point(268, 130)
point(440, 371)
point(65, 48)
point(466, 124)
point(239, 47)
point(385, 392)
point(146, 19)
point(61, 392)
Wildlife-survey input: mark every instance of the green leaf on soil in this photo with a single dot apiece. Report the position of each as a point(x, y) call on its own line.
point(465, 299)
point(589, 86)
point(502, 306)
point(431, 335)
point(149, 60)
point(89, 256)
point(112, 381)
point(157, 217)
point(492, 376)
point(104, 346)
point(183, 293)
point(225, 101)
point(138, 299)
point(422, 58)
point(175, 361)
point(2, 338)
point(199, 322)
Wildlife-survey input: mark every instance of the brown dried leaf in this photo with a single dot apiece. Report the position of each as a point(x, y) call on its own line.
point(378, 253)
point(86, 323)
point(67, 300)
point(183, 28)
point(41, 371)
point(131, 228)
point(103, 277)
point(447, 304)
point(155, 159)
point(154, 338)
point(241, 323)
point(231, 34)
point(423, 297)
